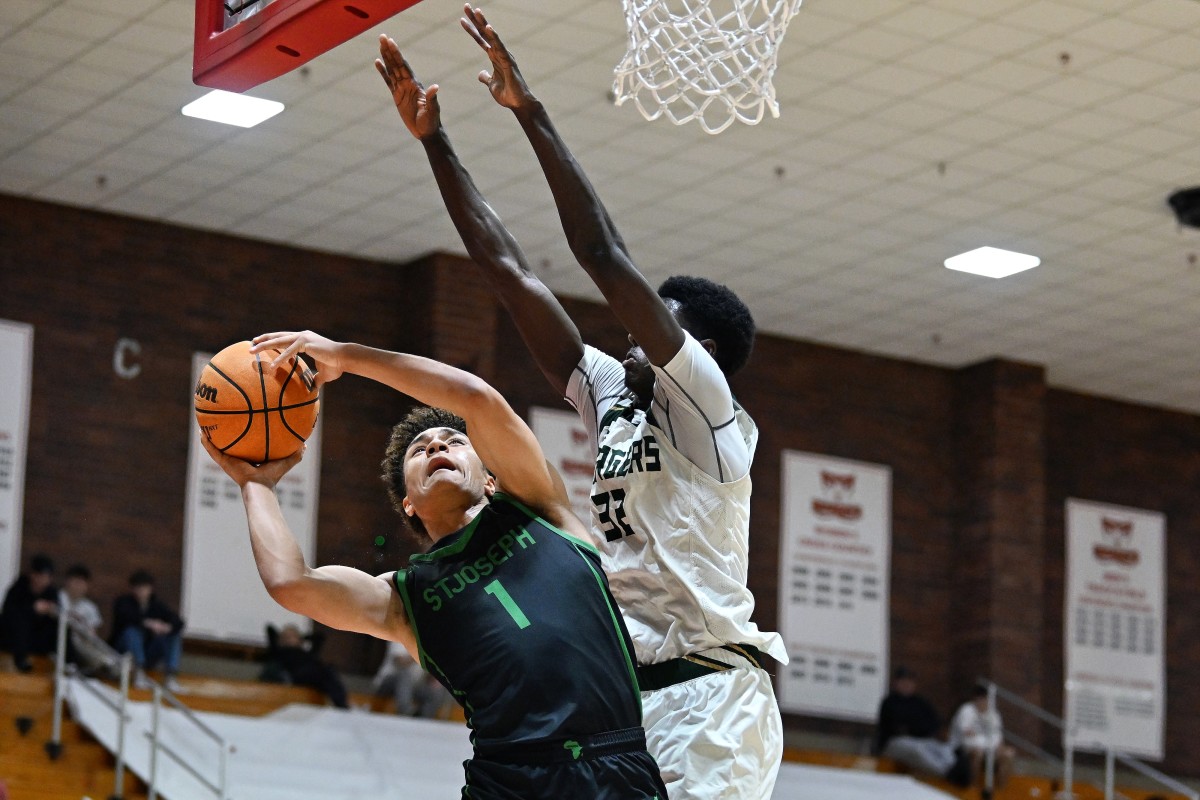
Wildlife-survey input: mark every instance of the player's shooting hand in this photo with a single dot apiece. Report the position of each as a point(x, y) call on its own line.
point(418, 106)
point(244, 472)
point(325, 353)
point(504, 81)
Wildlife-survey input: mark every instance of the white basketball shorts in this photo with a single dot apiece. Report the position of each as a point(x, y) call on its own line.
point(716, 737)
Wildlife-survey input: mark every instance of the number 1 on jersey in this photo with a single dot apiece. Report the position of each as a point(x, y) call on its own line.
point(497, 590)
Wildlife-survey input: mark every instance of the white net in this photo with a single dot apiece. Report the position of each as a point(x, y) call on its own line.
point(706, 60)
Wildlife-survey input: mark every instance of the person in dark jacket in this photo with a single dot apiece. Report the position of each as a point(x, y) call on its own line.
point(908, 732)
point(147, 628)
point(28, 620)
point(293, 658)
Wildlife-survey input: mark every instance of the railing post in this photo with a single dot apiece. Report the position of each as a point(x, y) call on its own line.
point(122, 704)
point(989, 770)
point(154, 712)
point(223, 765)
point(54, 746)
point(1109, 773)
point(1068, 771)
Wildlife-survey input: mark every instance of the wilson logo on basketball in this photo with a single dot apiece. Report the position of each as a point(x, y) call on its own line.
point(836, 488)
point(206, 392)
point(1118, 534)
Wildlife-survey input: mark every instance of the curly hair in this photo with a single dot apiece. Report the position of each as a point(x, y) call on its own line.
point(418, 421)
point(714, 312)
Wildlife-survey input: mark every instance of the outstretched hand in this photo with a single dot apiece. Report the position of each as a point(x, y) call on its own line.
point(504, 81)
point(325, 353)
point(418, 106)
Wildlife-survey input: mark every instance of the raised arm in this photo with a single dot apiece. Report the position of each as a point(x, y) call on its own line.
point(337, 596)
point(501, 438)
point(549, 333)
point(593, 238)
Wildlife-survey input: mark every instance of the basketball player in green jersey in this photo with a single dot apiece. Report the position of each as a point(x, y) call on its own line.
point(509, 607)
point(671, 488)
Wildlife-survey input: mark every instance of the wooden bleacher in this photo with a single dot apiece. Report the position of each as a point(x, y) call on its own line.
point(83, 768)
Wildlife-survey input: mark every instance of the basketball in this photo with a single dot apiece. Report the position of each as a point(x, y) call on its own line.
point(251, 411)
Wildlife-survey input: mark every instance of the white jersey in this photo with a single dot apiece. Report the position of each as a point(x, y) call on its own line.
point(671, 499)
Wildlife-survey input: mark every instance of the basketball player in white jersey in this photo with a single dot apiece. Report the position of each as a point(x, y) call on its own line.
point(671, 491)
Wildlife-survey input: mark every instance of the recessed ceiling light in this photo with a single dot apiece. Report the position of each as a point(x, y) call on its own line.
point(992, 262)
point(232, 109)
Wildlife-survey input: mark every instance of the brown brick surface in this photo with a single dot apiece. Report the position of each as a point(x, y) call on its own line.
point(982, 458)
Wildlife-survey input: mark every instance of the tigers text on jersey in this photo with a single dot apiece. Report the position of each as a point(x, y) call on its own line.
point(676, 525)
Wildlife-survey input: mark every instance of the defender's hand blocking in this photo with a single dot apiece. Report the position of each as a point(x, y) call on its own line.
point(327, 354)
point(504, 81)
point(417, 105)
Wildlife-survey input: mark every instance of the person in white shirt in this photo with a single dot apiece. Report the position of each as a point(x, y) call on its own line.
point(415, 692)
point(84, 650)
point(978, 729)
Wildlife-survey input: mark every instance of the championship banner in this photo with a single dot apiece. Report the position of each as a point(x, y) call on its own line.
point(834, 565)
point(16, 365)
point(223, 597)
point(564, 440)
point(1115, 623)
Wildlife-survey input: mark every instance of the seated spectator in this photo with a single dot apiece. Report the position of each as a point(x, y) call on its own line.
point(292, 658)
point(908, 729)
point(978, 730)
point(73, 601)
point(28, 619)
point(146, 627)
point(415, 692)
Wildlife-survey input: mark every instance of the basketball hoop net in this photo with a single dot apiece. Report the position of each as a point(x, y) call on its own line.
point(705, 60)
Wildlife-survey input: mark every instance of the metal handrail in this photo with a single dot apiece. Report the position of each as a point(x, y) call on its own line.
point(160, 692)
point(1111, 756)
point(1150, 772)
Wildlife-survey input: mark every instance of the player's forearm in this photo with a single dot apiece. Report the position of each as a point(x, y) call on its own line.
point(482, 232)
point(278, 557)
point(548, 333)
point(423, 379)
point(595, 243)
point(593, 238)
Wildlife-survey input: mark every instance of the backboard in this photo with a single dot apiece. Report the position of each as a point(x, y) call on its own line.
point(242, 43)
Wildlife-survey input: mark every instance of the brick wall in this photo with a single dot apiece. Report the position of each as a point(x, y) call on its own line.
point(107, 456)
point(1120, 453)
point(982, 458)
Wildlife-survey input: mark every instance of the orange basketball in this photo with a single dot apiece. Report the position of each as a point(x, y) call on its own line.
point(251, 411)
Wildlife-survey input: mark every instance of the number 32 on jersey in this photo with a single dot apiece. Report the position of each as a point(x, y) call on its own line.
point(610, 509)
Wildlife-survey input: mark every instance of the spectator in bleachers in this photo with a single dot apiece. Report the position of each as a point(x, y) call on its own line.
point(416, 692)
point(28, 623)
point(148, 629)
point(73, 601)
point(293, 658)
point(978, 730)
point(908, 730)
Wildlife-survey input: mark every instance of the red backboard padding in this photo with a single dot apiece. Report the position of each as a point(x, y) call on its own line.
point(279, 38)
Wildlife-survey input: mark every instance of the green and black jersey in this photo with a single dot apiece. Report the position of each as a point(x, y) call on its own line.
point(515, 618)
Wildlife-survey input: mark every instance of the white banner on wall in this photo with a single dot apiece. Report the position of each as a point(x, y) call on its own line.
point(1114, 627)
point(564, 440)
point(16, 365)
point(223, 597)
point(834, 565)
